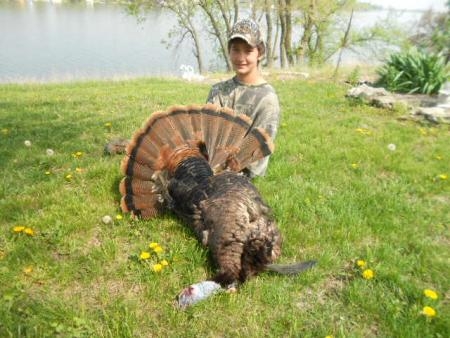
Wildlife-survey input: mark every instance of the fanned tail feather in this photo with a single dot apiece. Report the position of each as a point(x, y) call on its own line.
point(225, 139)
point(256, 145)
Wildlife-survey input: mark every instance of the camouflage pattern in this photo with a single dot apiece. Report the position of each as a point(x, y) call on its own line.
point(259, 102)
point(247, 30)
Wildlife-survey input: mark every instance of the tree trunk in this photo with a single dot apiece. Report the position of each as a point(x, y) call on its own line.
point(308, 25)
point(221, 37)
point(288, 33)
point(282, 18)
point(343, 44)
point(269, 23)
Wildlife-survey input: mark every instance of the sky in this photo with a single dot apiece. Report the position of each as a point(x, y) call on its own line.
point(437, 5)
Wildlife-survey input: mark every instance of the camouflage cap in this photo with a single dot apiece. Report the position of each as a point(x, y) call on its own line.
point(247, 30)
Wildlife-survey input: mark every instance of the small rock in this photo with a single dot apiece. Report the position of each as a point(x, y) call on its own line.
point(116, 146)
point(107, 219)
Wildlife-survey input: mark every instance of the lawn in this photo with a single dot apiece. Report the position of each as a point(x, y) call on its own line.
point(361, 190)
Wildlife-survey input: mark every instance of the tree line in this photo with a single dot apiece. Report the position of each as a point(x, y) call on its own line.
point(323, 28)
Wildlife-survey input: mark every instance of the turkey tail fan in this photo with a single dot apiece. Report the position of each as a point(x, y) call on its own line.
point(255, 146)
point(141, 198)
point(224, 138)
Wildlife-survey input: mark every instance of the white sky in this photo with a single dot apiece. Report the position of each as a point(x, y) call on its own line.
point(437, 5)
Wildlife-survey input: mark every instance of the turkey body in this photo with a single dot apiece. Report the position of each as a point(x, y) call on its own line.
point(229, 216)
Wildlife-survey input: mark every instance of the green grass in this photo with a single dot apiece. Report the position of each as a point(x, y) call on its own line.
point(338, 193)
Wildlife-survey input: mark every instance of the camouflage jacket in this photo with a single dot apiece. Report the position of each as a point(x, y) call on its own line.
point(259, 102)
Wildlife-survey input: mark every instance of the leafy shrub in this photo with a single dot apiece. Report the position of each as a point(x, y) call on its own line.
point(413, 72)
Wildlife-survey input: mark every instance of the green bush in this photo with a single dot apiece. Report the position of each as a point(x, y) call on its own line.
point(413, 72)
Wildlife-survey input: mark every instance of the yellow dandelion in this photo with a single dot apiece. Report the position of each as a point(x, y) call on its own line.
point(361, 263)
point(355, 165)
point(119, 217)
point(423, 131)
point(158, 249)
point(428, 311)
point(144, 255)
point(78, 170)
point(77, 154)
point(157, 267)
point(68, 177)
point(363, 131)
point(430, 294)
point(5, 131)
point(329, 336)
point(368, 274)
point(19, 228)
point(443, 176)
point(438, 157)
point(28, 270)
point(28, 231)
point(153, 245)
point(108, 124)
point(47, 173)
point(164, 262)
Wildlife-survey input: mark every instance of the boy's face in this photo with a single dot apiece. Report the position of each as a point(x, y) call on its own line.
point(243, 57)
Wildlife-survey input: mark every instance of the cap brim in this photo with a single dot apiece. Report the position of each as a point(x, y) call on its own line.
point(243, 37)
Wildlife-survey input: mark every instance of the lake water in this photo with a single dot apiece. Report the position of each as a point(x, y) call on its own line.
point(44, 41)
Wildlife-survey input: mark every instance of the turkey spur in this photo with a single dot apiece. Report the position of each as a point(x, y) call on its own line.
point(188, 160)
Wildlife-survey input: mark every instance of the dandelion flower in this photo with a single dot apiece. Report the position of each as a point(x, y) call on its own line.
point(158, 249)
point(392, 147)
point(77, 154)
point(164, 262)
point(329, 336)
point(106, 219)
point(363, 131)
point(50, 152)
point(157, 267)
point(428, 311)
point(144, 255)
point(119, 217)
point(19, 228)
point(368, 274)
point(5, 131)
point(443, 176)
point(108, 124)
point(28, 270)
point(153, 245)
point(68, 177)
point(78, 170)
point(27, 143)
point(422, 131)
point(438, 157)
point(430, 294)
point(355, 165)
point(47, 173)
point(28, 231)
point(361, 263)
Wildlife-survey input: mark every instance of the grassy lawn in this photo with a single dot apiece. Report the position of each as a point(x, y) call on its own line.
point(339, 190)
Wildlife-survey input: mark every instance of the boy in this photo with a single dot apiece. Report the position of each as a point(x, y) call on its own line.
point(247, 92)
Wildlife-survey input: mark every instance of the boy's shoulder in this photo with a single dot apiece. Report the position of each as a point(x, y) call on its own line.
point(232, 84)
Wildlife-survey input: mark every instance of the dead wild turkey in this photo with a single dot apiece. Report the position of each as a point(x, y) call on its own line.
point(188, 160)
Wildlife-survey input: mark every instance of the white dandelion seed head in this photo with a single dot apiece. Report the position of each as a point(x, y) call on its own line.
point(107, 219)
point(27, 143)
point(392, 147)
point(50, 152)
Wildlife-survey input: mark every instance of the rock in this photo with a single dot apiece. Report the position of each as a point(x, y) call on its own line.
point(434, 114)
point(116, 146)
point(432, 108)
